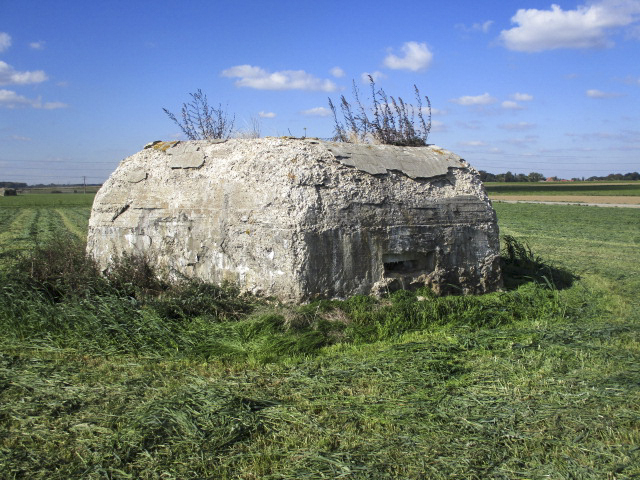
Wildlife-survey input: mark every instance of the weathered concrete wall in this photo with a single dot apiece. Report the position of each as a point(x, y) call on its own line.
point(302, 219)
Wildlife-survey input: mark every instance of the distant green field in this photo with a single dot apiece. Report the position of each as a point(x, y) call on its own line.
point(567, 188)
point(60, 189)
point(48, 200)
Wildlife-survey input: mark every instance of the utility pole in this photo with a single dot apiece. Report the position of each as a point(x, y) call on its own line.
point(84, 184)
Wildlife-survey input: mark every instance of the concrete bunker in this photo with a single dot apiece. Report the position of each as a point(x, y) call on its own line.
point(301, 219)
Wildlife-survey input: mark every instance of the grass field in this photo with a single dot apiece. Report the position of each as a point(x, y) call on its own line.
point(617, 193)
point(540, 381)
point(565, 188)
point(48, 200)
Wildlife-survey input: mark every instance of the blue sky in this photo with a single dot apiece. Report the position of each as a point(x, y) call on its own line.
point(521, 86)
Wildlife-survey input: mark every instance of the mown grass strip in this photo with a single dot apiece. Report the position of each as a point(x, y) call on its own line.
point(20, 230)
point(70, 225)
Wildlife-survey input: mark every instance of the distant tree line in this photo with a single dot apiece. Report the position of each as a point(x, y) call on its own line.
point(618, 176)
point(539, 177)
point(511, 177)
point(12, 185)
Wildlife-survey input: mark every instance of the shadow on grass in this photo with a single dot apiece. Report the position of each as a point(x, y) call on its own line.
point(520, 266)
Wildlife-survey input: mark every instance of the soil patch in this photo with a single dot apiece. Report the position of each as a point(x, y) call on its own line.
point(628, 200)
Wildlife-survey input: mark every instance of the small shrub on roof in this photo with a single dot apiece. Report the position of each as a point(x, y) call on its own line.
point(389, 121)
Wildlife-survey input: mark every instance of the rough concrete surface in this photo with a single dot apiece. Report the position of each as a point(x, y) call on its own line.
point(301, 219)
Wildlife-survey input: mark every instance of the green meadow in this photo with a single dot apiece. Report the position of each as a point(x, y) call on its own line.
point(127, 377)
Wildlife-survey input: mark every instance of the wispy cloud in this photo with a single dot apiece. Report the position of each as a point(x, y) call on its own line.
point(10, 99)
point(5, 41)
point(255, 77)
point(482, 27)
point(377, 75)
point(511, 105)
point(437, 126)
point(9, 76)
point(473, 143)
point(470, 125)
point(415, 57)
point(337, 72)
point(50, 105)
point(517, 126)
point(521, 97)
point(588, 26)
point(266, 115)
point(317, 112)
point(470, 100)
point(19, 138)
point(593, 93)
point(626, 136)
point(629, 80)
point(522, 142)
point(37, 45)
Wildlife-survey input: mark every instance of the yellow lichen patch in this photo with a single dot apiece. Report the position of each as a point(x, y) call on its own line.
point(439, 151)
point(164, 146)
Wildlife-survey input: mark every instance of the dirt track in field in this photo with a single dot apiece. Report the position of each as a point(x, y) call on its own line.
point(628, 200)
point(591, 200)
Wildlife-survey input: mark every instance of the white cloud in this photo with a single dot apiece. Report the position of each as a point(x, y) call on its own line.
point(37, 45)
point(260, 79)
point(377, 75)
point(511, 105)
point(587, 26)
point(10, 99)
point(483, 27)
point(600, 94)
point(5, 41)
point(522, 97)
point(416, 57)
point(9, 76)
point(266, 115)
point(473, 143)
point(317, 112)
point(468, 100)
point(337, 72)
